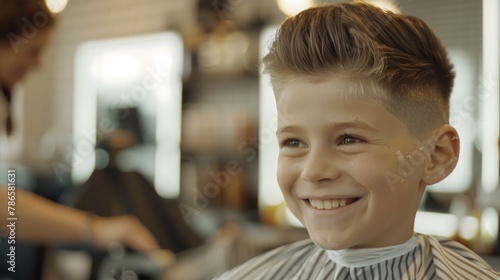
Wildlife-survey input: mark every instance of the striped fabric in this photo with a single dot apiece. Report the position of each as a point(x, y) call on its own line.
point(432, 258)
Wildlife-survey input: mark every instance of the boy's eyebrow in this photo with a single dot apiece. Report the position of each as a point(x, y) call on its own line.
point(341, 125)
point(288, 128)
point(354, 124)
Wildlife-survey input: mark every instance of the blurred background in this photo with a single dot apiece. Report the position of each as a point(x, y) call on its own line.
point(163, 97)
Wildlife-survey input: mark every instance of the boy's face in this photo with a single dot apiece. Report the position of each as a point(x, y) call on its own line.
point(340, 149)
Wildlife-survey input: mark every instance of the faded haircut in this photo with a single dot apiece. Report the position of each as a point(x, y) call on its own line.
point(396, 57)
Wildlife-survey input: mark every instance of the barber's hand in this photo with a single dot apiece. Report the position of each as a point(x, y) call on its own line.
point(126, 229)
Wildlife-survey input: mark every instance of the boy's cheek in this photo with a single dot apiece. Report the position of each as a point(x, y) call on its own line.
point(288, 168)
point(284, 177)
point(379, 173)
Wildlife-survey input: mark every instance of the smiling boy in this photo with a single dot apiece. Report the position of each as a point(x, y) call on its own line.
point(363, 104)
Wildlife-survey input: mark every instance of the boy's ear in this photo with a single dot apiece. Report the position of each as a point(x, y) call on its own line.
point(444, 155)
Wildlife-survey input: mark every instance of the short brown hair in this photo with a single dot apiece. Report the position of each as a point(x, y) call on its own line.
point(16, 14)
point(399, 54)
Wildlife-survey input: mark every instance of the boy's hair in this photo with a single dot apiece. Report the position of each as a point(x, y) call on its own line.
point(398, 54)
point(15, 15)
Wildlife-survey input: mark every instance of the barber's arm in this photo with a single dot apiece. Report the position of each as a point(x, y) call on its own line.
point(42, 221)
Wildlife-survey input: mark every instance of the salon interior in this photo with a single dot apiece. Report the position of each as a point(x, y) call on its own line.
point(157, 108)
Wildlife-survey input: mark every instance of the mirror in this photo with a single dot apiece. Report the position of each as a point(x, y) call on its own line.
point(128, 94)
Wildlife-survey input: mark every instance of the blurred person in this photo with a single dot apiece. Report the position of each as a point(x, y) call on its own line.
point(25, 29)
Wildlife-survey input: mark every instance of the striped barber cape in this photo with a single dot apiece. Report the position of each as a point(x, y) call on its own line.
point(431, 258)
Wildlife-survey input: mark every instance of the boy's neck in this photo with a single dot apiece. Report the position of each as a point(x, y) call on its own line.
point(369, 256)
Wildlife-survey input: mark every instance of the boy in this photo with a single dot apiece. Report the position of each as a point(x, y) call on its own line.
point(363, 104)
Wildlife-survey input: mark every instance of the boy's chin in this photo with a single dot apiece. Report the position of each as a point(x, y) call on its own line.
point(330, 241)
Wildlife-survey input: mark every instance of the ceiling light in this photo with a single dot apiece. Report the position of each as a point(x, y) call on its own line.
point(386, 5)
point(56, 6)
point(293, 7)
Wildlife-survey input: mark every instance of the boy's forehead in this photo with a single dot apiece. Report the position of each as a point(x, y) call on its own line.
point(333, 101)
point(349, 89)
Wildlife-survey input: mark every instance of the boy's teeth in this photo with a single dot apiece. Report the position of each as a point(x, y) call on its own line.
point(327, 204)
point(320, 204)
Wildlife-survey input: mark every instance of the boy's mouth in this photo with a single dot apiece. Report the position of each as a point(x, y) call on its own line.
point(329, 204)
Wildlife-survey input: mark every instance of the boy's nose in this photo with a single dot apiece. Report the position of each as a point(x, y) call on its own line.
point(318, 167)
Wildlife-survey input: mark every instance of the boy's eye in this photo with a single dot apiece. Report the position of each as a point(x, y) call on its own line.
point(295, 143)
point(350, 140)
